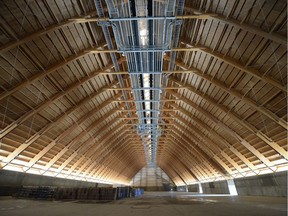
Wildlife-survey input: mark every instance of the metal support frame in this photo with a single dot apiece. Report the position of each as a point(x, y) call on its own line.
point(135, 30)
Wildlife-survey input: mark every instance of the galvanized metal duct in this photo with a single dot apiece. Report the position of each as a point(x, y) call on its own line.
point(151, 38)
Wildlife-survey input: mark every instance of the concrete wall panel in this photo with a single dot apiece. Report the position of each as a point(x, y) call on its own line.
point(17, 179)
point(274, 184)
point(219, 187)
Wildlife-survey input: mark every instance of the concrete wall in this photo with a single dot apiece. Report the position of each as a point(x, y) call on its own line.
point(181, 189)
point(10, 181)
point(274, 184)
point(193, 188)
point(153, 188)
point(219, 187)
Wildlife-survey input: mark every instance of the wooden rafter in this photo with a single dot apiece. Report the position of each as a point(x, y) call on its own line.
point(237, 64)
point(238, 24)
point(44, 104)
point(232, 92)
point(218, 138)
point(24, 39)
point(242, 122)
point(89, 156)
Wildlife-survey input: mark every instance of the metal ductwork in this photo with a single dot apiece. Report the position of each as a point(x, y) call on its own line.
point(143, 39)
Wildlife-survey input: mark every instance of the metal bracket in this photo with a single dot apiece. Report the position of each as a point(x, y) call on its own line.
point(104, 23)
point(178, 22)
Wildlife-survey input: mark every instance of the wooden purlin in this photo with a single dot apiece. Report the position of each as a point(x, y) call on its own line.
point(56, 140)
point(244, 123)
point(175, 168)
point(170, 172)
point(199, 173)
point(47, 71)
point(180, 146)
point(200, 170)
point(211, 143)
point(68, 131)
point(85, 158)
point(69, 146)
point(115, 163)
point(239, 24)
point(166, 171)
point(224, 142)
point(174, 141)
point(91, 166)
point(90, 158)
point(235, 63)
point(24, 39)
point(104, 142)
point(200, 151)
point(113, 150)
point(186, 155)
point(90, 142)
point(234, 93)
point(122, 155)
point(113, 146)
point(46, 103)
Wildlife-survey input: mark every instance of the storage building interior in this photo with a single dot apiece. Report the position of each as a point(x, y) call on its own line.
point(159, 107)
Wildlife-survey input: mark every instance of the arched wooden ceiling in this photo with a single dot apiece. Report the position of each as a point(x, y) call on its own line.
point(226, 116)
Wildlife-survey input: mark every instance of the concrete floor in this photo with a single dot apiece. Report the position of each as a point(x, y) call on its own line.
point(151, 204)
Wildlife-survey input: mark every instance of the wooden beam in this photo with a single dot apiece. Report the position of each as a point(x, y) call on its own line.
point(242, 122)
point(176, 167)
point(61, 136)
point(246, 27)
point(170, 154)
point(217, 137)
point(38, 134)
point(89, 152)
point(119, 137)
point(58, 156)
point(54, 98)
point(232, 92)
point(202, 152)
point(170, 172)
point(10, 45)
point(237, 64)
point(48, 71)
point(122, 156)
point(68, 147)
point(186, 168)
point(189, 159)
point(89, 141)
point(98, 162)
point(204, 168)
point(167, 172)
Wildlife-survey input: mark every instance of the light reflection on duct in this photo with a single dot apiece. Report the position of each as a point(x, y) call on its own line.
point(146, 35)
point(143, 36)
point(147, 96)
